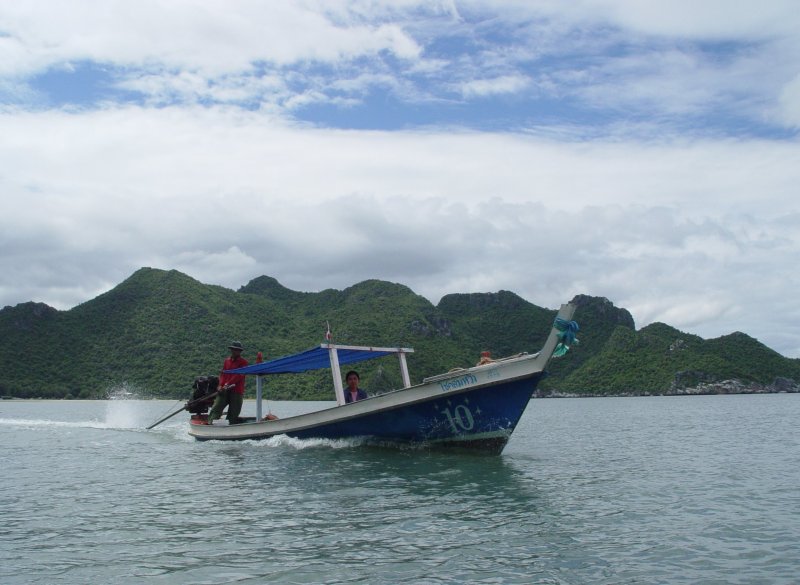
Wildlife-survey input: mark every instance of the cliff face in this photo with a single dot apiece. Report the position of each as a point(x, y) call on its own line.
point(27, 316)
point(603, 310)
point(779, 384)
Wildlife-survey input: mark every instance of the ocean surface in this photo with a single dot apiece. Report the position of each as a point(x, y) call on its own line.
point(694, 489)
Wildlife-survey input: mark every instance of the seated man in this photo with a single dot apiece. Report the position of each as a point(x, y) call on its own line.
point(353, 393)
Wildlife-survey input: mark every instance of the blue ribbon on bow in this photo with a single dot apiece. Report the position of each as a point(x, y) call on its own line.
point(567, 331)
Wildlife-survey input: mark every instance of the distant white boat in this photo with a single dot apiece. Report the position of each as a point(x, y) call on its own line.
point(474, 408)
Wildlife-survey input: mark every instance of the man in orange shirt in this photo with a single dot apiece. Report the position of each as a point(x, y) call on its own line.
point(231, 387)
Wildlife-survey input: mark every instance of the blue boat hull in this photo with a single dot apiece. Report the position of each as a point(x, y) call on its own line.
point(472, 416)
point(476, 419)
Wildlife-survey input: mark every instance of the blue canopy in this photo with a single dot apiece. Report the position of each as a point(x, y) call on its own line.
point(315, 358)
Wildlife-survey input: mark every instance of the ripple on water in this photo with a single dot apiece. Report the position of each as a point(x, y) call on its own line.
point(643, 491)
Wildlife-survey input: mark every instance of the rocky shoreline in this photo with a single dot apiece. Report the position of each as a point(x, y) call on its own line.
point(778, 386)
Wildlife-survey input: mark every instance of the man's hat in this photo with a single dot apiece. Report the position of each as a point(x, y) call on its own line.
point(236, 345)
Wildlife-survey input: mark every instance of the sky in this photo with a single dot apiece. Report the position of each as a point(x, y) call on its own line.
point(646, 152)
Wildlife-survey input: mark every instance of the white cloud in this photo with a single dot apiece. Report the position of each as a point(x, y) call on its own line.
point(611, 198)
point(210, 266)
point(191, 88)
point(207, 36)
point(227, 195)
point(790, 103)
point(701, 19)
point(495, 86)
point(621, 55)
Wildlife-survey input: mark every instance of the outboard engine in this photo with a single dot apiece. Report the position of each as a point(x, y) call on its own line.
point(203, 386)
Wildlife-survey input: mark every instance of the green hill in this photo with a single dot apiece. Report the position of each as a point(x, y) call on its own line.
point(157, 330)
point(659, 359)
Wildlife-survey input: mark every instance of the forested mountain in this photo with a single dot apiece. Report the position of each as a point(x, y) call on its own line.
point(157, 330)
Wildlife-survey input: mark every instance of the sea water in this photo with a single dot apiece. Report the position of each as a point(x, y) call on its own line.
point(695, 489)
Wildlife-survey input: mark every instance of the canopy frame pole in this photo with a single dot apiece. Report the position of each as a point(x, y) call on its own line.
point(404, 369)
point(337, 374)
point(259, 396)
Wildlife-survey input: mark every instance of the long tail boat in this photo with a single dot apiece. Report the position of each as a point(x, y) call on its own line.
point(474, 408)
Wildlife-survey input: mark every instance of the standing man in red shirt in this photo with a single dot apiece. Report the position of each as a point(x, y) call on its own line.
point(233, 395)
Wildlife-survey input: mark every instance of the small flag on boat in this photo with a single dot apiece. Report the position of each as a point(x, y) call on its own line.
point(328, 336)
